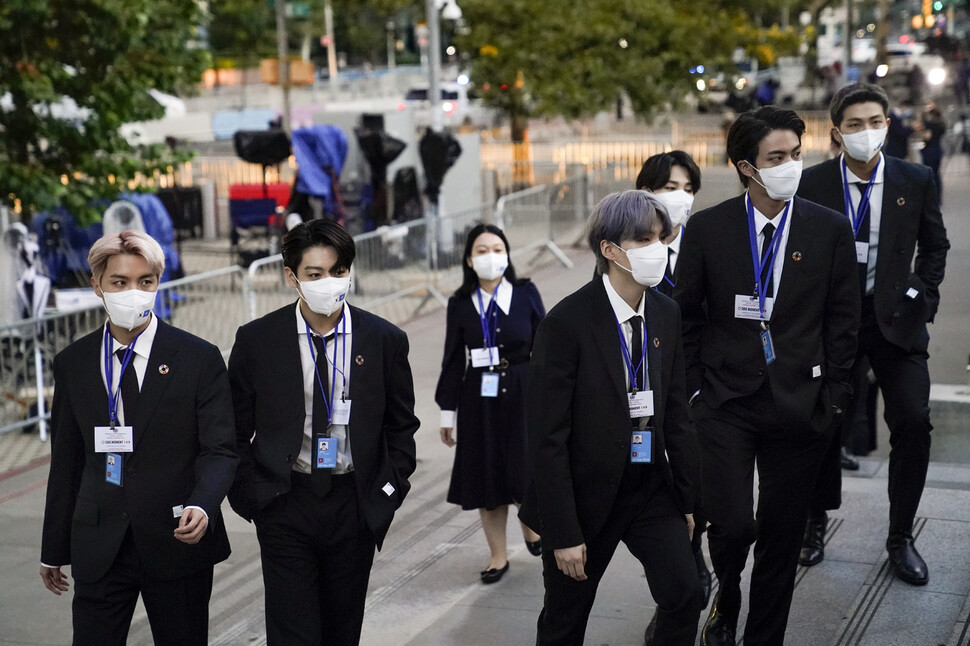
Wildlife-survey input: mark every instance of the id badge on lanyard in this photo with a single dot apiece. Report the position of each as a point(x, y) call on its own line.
point(114, 440)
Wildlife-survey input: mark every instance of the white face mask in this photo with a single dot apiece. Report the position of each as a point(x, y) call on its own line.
point(130, 308)
point(647, 264)
point(781, 182)
point(490, 266)
point(326, 295)
point(678, 205)
point(863, 145)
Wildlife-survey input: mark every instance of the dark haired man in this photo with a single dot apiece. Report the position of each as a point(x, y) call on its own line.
point(613, 455)
point(894, 211)
point(770, 308)
point(325, 424)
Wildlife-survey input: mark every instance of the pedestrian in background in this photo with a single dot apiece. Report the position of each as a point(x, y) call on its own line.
point(325, 425)
point(491, 323)
point(932, 129)
point(141, 459)
point(614, 457)
point(895, 213)
point(766, 284)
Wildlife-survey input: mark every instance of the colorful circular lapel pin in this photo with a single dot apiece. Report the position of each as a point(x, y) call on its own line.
point(359, 360)
point(796, 256)
point(163, 369)
point(900, 201)
point(656, 342)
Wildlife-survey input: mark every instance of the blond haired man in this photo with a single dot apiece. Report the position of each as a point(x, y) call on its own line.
point(142, 457)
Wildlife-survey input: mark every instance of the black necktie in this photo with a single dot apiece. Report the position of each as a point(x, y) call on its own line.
point(129, 386)
point(670, 262)
point(637, 351)
point(320, 424)
point(767, 276)
point(863, 237)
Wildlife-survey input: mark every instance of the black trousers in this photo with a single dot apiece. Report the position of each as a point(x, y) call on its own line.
point(742, 433)
point(316, 552)
point(178, 609)
point(646, 519)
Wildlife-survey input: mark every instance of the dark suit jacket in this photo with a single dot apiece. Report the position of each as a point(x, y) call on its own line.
point(911, 222)
point(814, 323)
point(267, 391)
point(578, 417)
point(183, 455)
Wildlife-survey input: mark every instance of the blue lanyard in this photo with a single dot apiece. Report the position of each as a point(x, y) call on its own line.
point(856, 217)
point(627, 359)
point(113, 395)
point(333, 374)
point(769, 259)
point(484, 315)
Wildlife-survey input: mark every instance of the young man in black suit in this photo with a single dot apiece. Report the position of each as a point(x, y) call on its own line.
point(325, 426)
point(142, 458)
point(766, 284)
point(894, 210)
point(614, 457)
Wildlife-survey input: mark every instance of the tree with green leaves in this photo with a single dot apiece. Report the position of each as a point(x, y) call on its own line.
point(578, 57)
point(101, 56)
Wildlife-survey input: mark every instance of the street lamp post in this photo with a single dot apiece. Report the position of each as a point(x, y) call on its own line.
point(449, 11)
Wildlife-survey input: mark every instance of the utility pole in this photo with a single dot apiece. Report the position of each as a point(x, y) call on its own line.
point(434, 65)
point(282, 47)
point(331, 43)
point(882, 31)
point(849, 38)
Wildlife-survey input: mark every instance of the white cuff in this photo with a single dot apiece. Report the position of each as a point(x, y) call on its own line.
point(447, 419)
point(53, 567)
point(199, 508)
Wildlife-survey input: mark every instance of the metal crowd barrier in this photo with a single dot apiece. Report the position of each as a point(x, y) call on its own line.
point(397, 271)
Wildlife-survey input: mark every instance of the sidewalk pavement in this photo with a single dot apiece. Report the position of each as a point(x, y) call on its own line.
point(425, 590)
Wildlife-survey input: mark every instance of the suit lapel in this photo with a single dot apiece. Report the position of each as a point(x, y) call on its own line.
point(90, 383)
point(161, 360)
point(894, 188)
point(798, 239)
point(653, 336)
point(607, 338)
point(360, 374)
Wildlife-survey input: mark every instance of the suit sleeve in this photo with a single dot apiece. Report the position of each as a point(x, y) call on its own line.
point(689, 292)
point(538, 309)
point(64, 480)
point(680, 439)
point(932, 247)
point(242, 496)
point(842, 313)
point(215, 466)
point(552, 382)
point(448, 392)
point(400, 423)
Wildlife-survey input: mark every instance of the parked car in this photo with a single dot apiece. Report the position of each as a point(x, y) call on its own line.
point(458, 102)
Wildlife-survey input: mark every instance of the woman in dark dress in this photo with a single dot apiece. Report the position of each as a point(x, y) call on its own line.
point(492, 309)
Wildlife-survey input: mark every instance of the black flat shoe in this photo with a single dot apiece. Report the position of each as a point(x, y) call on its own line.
point(848, 461)
point(534, 547)
point(494, 575)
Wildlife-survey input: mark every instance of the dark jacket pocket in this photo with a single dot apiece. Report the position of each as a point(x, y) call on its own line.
point(85, 512)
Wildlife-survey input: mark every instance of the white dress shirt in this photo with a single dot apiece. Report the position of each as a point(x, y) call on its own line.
point(341, 389)
point(504, 301)
point(139, 361)
point(760, 220)
point(875, 212)
point(623, 313)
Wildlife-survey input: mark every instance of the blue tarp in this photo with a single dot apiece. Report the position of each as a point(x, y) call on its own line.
point(318, 150)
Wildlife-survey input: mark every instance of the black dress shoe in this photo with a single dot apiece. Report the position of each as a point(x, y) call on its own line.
point(813, 544)
point(534, 547)
point(494, 575)
point(705, 576)
point(906, 561)
point(848, 461)
point(719, 628)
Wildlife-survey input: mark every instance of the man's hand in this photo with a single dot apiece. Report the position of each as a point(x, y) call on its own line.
point(571, 561)
point(54, 580)
point(192, 526)
point(447, 437)
point(690, 526)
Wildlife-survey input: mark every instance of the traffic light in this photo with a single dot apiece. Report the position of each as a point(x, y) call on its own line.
point(938, 5)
